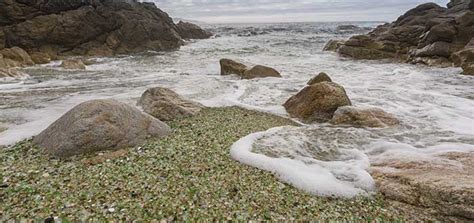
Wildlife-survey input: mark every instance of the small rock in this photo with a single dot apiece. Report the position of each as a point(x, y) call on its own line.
point(260, 71)
point(321, 77)
point(363, 117)
point(40, 57)
point(73, 64)
point(232, 67)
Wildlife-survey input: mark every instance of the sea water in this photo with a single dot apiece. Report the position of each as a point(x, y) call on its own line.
point(435, 105)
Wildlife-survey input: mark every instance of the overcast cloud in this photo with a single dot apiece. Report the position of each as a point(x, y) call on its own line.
point(239, 11)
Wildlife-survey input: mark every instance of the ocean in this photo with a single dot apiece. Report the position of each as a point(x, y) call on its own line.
point(435, 105)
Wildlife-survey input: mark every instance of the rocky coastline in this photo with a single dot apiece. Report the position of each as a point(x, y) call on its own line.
point(166, 157)
point(38, 31)
point(427, 34)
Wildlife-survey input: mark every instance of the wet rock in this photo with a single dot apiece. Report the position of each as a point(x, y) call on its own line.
point(232, 67)
point(73, 64)
point(425, 34)
point(40, 58)
point(465, 58)
point(99, 125)
point(12, 73)
point(363, 117)
point(89, 27)
point(347, 27)
point(191, 31)
point(317, 102)
point(333, 45)
point(15, 57)
point(441, 49)
point(166, 105)
point(260, 71)
point(2, 129)
point(321, 77)
point(445, 191)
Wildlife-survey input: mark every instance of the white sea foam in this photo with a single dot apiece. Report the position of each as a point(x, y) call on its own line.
point(320, 171)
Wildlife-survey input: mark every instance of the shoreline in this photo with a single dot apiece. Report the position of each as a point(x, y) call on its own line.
point(186, 176)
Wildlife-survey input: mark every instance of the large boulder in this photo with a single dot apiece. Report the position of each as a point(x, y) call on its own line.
point(321, 77)
point(166, 105)
point(260, 71)
point(73, 64)
point(441, 186)
point(191, 31)
point(88, 27)
point(363, 117)
point(99, 125)
point(317, 102)
point(232, 67)
point(428, 34)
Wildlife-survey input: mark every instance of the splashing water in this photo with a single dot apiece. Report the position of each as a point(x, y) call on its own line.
point(434, 105)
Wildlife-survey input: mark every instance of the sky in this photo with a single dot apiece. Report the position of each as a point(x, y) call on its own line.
point(254, 11)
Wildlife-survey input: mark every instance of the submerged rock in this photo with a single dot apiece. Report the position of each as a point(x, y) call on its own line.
point(317, 102)
point(89, 27)
point(232, 67)
point(73, 64)
point(428, 34)
point(321, 77)
point(260, 71)
point(99, 125)
point(166, 105)
point(191, 31)
point(363, 117)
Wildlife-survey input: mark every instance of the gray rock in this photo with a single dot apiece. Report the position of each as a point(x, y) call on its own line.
point(99, 125)
point(166, 105)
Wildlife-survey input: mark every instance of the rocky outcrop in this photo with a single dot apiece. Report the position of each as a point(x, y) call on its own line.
point(444, 191)
point(88, 27)
point(427, 34)
point(317, 102)
point(73, 64)
point(232, 67)
point(260, 71)
point(191, 31)
point(363, 117)
point(166, 105)
point(321, 77)
point(99, 125)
